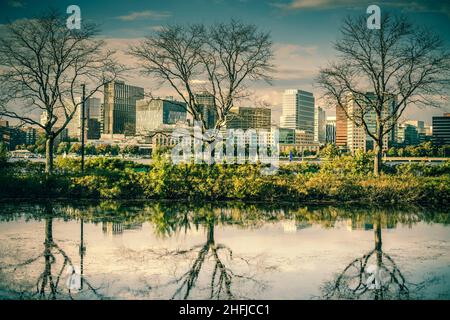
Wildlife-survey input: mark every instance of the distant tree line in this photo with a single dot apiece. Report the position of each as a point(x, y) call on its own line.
point(426, 149)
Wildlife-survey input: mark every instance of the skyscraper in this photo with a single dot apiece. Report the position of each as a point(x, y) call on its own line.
point(5, 135)
point(441, 130)
point(357, 137)
point(319, 125)
point(330, 132)
point(420, 127)
point(119, 108)
point(341, 127)
point(92, 120)
point(298, 111)
point(30, 135)
point(207, 107)
point(154, 114)
point(249, 118)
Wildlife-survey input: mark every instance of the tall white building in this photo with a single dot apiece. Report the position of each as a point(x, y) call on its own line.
point(330, 134)
point(298, 111)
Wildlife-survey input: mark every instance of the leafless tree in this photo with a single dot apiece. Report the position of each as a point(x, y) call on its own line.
point(380, 72)
point(48, 283)
point(375, 275)
point(222, 276)
point(43, 66)
point(218, 62)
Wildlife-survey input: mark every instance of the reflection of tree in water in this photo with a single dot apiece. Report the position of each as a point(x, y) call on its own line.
point(375, 275)
point(223, 277)
point(213, 269)
point(48, 283)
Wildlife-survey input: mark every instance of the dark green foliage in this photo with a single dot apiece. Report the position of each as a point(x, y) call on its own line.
point(3, 154)
point(343, 179)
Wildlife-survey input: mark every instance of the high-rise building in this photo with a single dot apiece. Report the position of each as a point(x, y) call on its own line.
point(296, 140)
point(341, 127)
point(249, 118)
point(153, 114)
point(13, 136)
point(421, 130)
point(330, 131)
point(357, 137)
point(17, 138)
point(412, 132)
point(441, 130)
point(207, 107)
point(119, 108)
point(92, 118)
point(298, 110)
point(5, 136)
point(410, 135)
point(392, 135)
point(319, 125)
point(30, 135)
point(356, 134)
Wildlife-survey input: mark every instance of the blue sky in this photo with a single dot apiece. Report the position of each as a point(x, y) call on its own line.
point(303, 30)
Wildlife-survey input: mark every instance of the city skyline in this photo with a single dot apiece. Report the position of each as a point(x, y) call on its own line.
point(298, 55)
point(230, 150)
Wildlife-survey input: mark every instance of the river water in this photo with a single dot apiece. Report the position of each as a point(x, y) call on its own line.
point(172, 250)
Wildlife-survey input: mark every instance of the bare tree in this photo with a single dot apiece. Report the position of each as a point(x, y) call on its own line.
point(43, 66)
point(375, 275)
point(217, 62)
point(223, 281)
point(381, 72)
point(55, 263)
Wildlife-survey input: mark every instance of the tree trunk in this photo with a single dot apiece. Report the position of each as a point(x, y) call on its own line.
point(49, 154)
point(379, 254)
point(49, 230)
point(378, 144)
point(378, 161)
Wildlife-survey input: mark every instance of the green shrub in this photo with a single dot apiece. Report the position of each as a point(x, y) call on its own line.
point(346, 179)
point(423, 169)
point(359, 164)
point(3, 154)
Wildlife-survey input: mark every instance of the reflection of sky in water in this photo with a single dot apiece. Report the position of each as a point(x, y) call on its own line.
point(276, 260)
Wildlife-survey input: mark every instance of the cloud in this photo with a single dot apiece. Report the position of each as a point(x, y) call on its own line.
point(418, 5)
point(295, 62)
point(147, 14)
point(16, 3)
point(155, 28)
point(315, 4)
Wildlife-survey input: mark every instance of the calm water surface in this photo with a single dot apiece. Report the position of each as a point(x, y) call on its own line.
point(123, 250)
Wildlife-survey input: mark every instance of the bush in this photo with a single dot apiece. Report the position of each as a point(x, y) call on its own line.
point(422, 169)
point(3, 154)
point(359, 164)
point(347, 180)
point(100, 165)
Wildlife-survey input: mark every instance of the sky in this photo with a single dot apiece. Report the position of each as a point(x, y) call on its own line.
point(303, 31)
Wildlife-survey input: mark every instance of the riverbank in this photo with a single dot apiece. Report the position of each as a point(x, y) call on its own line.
point(342, 180)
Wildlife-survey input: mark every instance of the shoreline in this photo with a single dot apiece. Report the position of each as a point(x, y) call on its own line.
point(199, 202)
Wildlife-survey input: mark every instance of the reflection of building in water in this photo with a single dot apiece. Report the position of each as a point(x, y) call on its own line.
point(115, 228)
point(291, 226)
point(353, 224)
